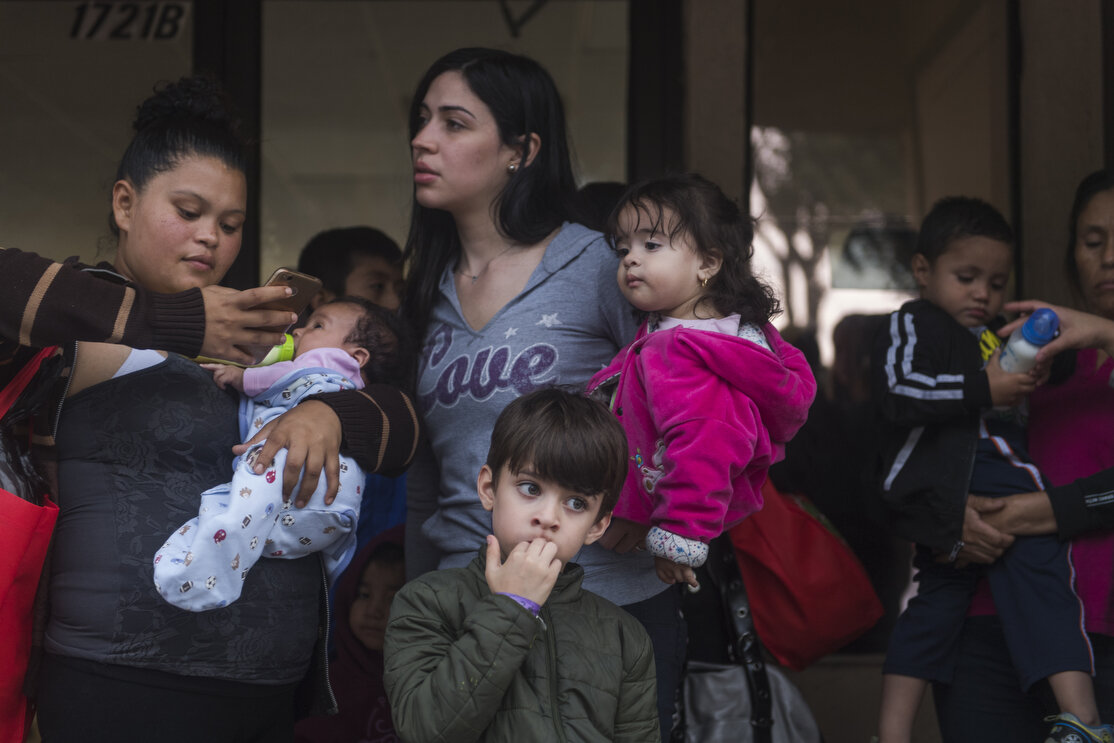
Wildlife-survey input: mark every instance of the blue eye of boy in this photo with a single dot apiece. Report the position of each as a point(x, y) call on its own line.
point(577, 504)
point(529, 488)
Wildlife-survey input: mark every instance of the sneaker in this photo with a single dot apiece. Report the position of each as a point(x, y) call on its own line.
point(1066, 728)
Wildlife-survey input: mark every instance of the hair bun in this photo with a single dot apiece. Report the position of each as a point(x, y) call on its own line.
point(194, 100)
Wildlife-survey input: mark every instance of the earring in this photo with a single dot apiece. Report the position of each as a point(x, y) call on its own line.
point(512, 167)
point(703, 282)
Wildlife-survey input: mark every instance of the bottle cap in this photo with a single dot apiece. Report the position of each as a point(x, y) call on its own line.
point(1041, 327)
point(282, 352)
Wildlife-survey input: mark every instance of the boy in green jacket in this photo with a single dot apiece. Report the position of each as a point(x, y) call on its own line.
point(511, 647)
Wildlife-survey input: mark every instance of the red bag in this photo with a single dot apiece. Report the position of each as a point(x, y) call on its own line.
point(25, 530)
point(808, 592)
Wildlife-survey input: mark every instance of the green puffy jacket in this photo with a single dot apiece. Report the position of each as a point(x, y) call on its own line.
point(463, 664)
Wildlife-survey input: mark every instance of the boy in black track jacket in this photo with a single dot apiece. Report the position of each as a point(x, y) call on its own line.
point(951, 426)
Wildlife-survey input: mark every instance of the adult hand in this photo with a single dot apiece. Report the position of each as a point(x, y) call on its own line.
point(670, 572)
point(982, 543)
point(1021, 514)
point(1077, 329)
point(231, 325)
point(530, 571)
point(311, 435)
point(623, 536)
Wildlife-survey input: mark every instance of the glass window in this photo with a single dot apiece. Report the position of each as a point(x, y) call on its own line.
point(864, 115)
point(71, 75)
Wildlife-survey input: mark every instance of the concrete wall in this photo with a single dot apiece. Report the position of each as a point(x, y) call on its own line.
point(715, 129)
point(959, 84)
point(1061, 131)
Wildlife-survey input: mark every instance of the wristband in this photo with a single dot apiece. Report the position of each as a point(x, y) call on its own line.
point(524, 602)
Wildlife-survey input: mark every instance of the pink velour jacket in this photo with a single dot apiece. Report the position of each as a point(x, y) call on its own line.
point(706, 414)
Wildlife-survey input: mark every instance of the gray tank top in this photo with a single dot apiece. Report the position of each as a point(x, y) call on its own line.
point(135, 453)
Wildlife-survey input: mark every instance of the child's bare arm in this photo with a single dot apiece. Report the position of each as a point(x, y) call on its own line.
point(226, 375)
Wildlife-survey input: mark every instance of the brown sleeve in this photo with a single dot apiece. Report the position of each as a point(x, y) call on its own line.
point(45, 303)
point(380, 427)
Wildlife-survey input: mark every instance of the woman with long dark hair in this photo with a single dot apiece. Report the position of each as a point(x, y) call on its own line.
point(509, 296)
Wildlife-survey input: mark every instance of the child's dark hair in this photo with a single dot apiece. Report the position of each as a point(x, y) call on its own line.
point(386, 553)
point(192, 117)
point(565, 438)
point(387, 340)
point(1088, 188)
point(331, 255)
point(956, 217)
point(716, 226)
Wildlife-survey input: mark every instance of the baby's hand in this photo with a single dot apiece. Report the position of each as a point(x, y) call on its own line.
point(226, 375)
point(530, 571)
point(1007, 389)
point(670, 572)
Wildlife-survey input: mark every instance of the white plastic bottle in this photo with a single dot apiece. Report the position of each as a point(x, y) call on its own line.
point(1020, 351)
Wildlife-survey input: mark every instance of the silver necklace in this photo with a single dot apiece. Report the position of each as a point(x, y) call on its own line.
point(476, 276)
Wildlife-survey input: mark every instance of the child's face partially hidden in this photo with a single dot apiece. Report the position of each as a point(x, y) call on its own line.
point(525, 507)
point(968, 280)
point(375, 280)
point(327, 327)
point(656, 273)
point(372, 606)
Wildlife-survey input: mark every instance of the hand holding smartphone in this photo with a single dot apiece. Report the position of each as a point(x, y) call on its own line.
point(305, 288)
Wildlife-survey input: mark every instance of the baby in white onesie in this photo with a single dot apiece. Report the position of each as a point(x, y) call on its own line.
point(204, 563)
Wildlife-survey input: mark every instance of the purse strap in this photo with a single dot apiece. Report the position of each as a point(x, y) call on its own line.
point(746, 648)
point(14, 388)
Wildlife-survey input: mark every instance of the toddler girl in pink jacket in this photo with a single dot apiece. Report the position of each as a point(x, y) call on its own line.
point(708, 392)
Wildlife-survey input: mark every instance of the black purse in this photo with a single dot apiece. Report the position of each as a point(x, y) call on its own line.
point(744, 700)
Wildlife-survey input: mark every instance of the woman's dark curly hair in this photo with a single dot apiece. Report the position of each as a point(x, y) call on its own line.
point(691, 205)
point(192, 117)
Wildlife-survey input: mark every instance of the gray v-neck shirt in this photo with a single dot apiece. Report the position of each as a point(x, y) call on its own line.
point(567, 323)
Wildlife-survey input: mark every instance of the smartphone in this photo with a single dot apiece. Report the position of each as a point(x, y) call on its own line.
point(305, 289)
